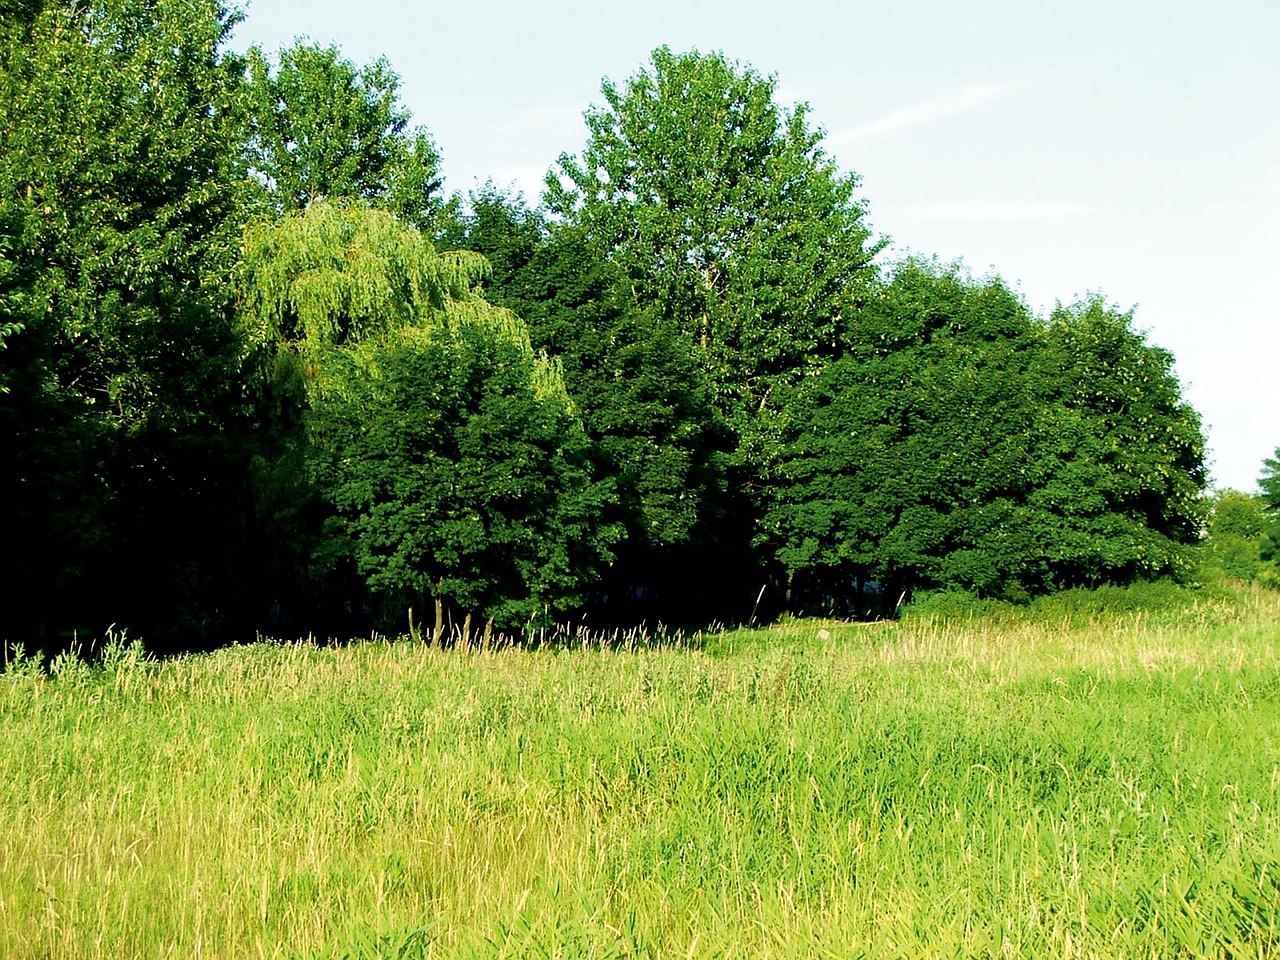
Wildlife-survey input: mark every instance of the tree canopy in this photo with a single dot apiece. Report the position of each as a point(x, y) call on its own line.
point(445, 445)
point(120, 195)
point(1269, 481)
point(456, 476)
point(962, 443)
point(257, 373)
point(726, 215)
point(323, 128)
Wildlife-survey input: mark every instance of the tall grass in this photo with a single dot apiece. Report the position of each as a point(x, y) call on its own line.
point(1056, 786)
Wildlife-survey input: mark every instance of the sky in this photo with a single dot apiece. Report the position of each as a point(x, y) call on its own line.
point(1129, 148)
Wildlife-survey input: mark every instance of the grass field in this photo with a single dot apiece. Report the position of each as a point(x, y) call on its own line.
point(1082, 786)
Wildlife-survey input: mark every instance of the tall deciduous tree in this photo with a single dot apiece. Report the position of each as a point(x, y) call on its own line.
point(121, 135)
point(311, 283)
point(122, 144)
point(324, 128)
point(734, 229)
point(904, 461)
point(726, 215)
point(1119, 475)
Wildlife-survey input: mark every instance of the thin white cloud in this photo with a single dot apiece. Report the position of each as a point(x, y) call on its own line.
point(949, 104)
point(999, 211)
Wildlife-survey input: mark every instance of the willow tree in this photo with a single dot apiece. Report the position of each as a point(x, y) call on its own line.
point(446, 450)
point(339, 273)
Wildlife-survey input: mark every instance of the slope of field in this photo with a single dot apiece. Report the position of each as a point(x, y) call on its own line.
point(1093, 787)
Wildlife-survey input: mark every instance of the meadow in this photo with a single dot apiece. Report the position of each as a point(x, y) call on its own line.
point(1080, 783)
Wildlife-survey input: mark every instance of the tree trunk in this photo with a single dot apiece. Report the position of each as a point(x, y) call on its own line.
point(709, 277)
point(438, 632)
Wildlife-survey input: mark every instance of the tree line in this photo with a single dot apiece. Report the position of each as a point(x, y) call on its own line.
point(260, 373)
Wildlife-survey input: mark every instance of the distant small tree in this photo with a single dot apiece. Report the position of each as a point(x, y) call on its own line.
point(1269, 482)
point(1241, 537)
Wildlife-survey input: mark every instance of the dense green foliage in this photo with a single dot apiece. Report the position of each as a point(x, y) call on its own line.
point(1269, 482)
point(447, 448)
point(458, 475)
point(119, 200)
point(961, 443)
point(258, 374)
point(644, 399)
point(17, 304)
point(323, 128)
point(1125, 453)
point(1243, 541)
point(726, 216)
point(905, 461)
point(633, 376)
point(734, 229)
point(1098, 785)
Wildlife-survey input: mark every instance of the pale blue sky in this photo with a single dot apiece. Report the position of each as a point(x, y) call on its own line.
point(1129, 147)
